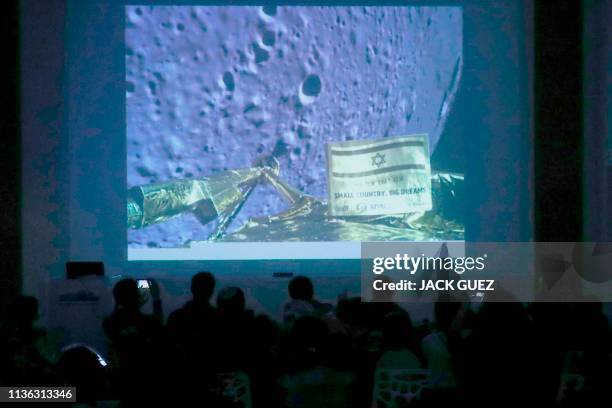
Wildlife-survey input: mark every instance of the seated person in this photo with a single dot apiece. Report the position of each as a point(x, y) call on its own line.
point(235, 330)
point(134, 341)
point(23, 347)
point(196, 320)
point(436, 346)
point(303, 303)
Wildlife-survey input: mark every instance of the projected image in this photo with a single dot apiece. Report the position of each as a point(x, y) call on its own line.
point(285, 124)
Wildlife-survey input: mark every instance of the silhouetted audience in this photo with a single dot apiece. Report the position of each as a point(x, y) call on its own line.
point(357, 354)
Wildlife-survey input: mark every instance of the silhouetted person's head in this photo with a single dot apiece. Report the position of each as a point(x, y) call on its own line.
point(24, 311)
point(80, 367)
point(125, 294)
point(231, 300)
point(300, 288)
point(202, 286)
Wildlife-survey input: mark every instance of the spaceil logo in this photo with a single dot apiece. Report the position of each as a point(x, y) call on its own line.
point(412, 264)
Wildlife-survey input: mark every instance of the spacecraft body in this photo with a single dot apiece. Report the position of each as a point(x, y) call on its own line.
point(220, 197)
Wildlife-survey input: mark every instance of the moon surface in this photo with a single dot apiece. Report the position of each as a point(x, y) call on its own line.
point(213, 88)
